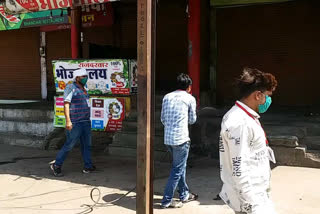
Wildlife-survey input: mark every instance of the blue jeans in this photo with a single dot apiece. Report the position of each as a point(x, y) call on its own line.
point(80, 131)
point(178, 174)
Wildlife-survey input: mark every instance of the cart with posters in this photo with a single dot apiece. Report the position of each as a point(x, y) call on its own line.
point(108, 84)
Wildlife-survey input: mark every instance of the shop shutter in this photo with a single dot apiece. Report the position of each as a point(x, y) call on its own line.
point(20, 64)
point(282, 39)
point(58, 47)
point(127, 23)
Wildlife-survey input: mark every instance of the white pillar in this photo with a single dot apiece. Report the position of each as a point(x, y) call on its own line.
point(44, 90)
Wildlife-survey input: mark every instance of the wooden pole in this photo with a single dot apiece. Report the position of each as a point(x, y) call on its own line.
point(146, 61)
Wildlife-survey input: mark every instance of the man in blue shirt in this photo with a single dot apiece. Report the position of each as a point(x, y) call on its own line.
point(78, 125)
point(178, 111)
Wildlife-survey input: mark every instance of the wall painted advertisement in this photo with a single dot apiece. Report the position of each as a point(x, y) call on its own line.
point(104, 76)
point(107, 113)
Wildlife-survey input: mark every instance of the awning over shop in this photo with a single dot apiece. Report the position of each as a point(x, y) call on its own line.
point(218, 3)
point(26, 6)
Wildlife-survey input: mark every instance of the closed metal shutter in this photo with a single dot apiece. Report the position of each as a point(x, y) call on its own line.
point(58, 46)
point(126, 24)
point(283, 39)
point(172, 43)
point(20, 64)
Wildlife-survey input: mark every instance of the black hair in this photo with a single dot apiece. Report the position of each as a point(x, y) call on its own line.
point(252, 80)
point(183, 81)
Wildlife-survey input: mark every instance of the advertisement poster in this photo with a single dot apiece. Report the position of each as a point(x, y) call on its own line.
point(59, 118)
point(107, 114)
point(104, 76)
point(133, 68)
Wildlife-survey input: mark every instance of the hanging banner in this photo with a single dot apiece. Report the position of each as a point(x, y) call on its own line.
point(27, 6)
point(107, 114)
point(104, 76)
point(133, 70)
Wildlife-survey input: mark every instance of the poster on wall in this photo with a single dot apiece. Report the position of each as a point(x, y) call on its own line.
point(104, 76)
point(59, 118)
point(107, 113)
point(133, 70)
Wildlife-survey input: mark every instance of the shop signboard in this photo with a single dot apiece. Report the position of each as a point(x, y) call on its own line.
point(13, 22)
point(27, 6)
point(109, 76)
point(92, 16)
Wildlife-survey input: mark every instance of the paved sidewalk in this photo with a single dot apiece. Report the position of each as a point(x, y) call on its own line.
point(27, 187)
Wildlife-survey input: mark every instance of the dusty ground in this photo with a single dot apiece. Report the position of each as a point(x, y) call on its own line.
point(28, 187)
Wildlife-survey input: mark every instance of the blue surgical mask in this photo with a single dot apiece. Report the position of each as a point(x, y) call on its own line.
point(264, 107)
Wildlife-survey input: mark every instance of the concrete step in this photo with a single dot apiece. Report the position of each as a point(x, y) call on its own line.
point(312, 159)
point(313, 154)
point(131, 126)
point(13, 138)
point(22, 127)
point(27, 115)
point(313, 129)
point(134, 116)
point(129, 140)
point(312, 142)
point(285, 130)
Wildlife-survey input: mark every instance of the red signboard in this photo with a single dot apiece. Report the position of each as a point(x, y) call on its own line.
point(92, 16)
point(26, 6)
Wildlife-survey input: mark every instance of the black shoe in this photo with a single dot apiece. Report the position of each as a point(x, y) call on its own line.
point(56, 170)
point(89, 170)
point(217, 198)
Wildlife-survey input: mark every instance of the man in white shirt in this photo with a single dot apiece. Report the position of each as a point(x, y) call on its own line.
point(178, 111)
point(244, 152)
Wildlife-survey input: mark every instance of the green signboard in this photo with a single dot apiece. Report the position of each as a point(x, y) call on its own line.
point(36, 19)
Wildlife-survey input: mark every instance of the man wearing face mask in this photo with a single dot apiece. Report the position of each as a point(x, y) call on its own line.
point(244, 152)
point(78, 125)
